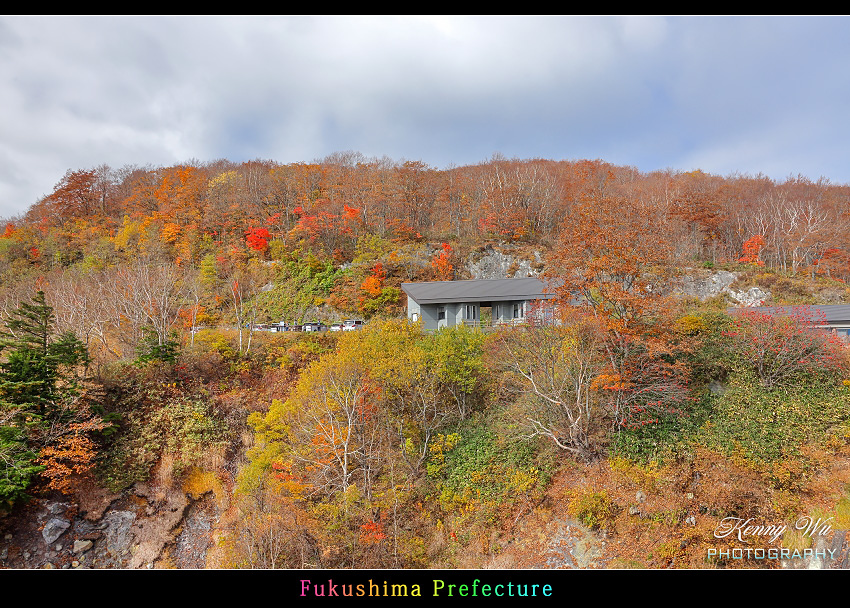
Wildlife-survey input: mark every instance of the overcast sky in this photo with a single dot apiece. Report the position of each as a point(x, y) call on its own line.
point(751, 95)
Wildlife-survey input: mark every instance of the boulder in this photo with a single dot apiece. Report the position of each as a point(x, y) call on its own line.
point(54, 528)
point(82, 545)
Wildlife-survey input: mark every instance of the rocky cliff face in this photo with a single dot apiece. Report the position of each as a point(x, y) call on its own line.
point(145, 527)
point(494, 262)
point(705, 287)
point(502, 263)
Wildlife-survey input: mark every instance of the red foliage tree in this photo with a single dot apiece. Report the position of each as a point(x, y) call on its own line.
point(372, 532)
point(752, 247)
point(328, 230)
point(257, 239)
point(781, 344)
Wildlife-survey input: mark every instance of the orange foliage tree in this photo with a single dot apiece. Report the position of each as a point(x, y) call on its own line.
point(752, 247)
point(834, 263)
point(696, 201)
point(442, 263)
point(179, 195)
point(609, 267)
point(330, 231)
point(74, 196)
point(70, 456)
point(376, 296)
point(374, 283)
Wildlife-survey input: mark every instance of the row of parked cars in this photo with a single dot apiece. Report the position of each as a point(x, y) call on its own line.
point(347, 325)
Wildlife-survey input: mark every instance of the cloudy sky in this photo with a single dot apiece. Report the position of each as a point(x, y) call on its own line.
point(751, 95)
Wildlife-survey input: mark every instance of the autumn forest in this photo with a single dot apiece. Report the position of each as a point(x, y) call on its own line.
point(133, 301)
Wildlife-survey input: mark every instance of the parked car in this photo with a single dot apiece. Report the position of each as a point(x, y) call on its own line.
point(351, 325)
point(314, 327)
point(336, 327)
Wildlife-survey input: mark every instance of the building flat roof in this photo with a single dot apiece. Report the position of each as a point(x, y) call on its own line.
point(494, 290)
point(830, 313)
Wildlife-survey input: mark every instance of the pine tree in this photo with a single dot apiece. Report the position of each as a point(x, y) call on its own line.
point(37, 382)
point(17, 463)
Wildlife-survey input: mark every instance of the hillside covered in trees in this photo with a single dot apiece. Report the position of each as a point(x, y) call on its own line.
point(130, 298)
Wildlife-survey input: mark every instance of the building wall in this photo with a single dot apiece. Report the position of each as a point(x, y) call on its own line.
point(468, 313)
point(453, 315)
point(413, 309)
point(503, 312)
point(460, 313)
point(426, 312)
point(840, 328)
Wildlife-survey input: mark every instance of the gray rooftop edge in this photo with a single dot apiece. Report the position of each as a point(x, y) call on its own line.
point(492, 290)
point(831, 313)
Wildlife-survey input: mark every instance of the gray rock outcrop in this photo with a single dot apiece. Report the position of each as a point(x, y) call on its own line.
point(117, 530)
point(707, 287)
point(754, 296)
point(495, 264)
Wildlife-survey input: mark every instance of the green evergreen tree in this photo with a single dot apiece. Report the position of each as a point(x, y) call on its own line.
point(30, 395)
point(17, 464)
point(150, 349)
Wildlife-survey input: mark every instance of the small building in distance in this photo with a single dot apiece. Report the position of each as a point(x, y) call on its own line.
point(831, 317)
point(477, 303)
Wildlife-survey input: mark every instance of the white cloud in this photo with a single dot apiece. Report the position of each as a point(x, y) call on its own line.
point(646, 91)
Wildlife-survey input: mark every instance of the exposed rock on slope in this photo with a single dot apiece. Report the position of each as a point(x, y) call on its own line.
point(146, 527)
point(498, 263)
point(720, 282)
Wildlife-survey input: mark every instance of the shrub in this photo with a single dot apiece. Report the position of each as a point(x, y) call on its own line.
point(667, 438)
point(710, 355)
point(690, 325)
point(770, 427)
point(179, 427)
point(644, 475)
point(593, 509)
point(476, 465)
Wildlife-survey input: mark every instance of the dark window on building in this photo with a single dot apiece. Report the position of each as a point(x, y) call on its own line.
point(441, 313)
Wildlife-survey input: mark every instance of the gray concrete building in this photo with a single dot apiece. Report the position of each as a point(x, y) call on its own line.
point(481, 303)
